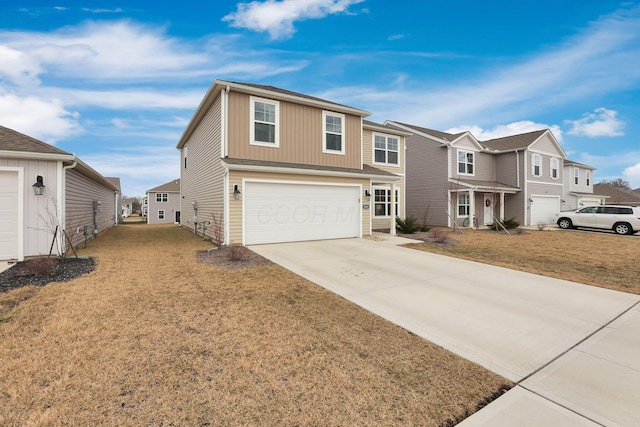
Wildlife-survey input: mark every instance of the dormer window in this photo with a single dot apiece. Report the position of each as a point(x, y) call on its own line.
point(465, 162)
point(264, 122)
point(333, 133)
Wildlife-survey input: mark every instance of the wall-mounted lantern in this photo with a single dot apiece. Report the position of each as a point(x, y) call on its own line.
point(367, 194)
point(38, 187)
point(236, 192)
point(530, 200)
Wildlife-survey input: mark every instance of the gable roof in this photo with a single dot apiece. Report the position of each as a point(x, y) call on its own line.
point(444, 136)
point(514, 142)
point(113, 180)
point(266, 91)
point(368, 124)
point(14, 141)
point(568, 162)
point(617, 196)
point(168, 187)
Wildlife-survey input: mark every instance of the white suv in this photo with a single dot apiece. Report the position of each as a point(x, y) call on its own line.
point(621, 219)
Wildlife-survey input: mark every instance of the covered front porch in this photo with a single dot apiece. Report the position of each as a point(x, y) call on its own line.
point(477, 204)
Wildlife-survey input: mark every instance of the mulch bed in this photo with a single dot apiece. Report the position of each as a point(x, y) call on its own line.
point(40, 271)
point(233, 257)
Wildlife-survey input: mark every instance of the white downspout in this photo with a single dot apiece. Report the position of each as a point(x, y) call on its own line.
point(62, 195)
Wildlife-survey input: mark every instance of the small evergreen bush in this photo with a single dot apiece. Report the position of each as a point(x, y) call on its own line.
point(409, 225)
point(509, 224)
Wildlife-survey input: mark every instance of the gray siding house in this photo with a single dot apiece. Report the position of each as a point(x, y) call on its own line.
point(579, 187)
point(457, 179)
point(43, 188)
point(163, 203)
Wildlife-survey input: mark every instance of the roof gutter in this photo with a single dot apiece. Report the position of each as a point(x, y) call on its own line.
point(275, 169)
point(36, 156)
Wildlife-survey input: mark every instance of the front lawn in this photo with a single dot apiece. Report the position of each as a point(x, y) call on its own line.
point(155, 337)
point(595, 258)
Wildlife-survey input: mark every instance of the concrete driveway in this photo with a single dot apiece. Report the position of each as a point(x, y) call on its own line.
point(574, 350)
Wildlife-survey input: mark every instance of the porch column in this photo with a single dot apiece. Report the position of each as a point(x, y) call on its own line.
point(393, 209)
point(501, 206)
point(472, 209)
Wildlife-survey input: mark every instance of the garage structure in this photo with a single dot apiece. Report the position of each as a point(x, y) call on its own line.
point(544, 209)
point(10, 214)
point(294, 211)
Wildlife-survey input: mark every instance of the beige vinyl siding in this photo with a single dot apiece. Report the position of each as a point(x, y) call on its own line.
point(80, 194)
point(426, 180)
point(40, 212)
point(235, 206)
point(301, 135)
point(203, 179)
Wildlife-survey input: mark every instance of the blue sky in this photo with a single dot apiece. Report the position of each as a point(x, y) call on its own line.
point(116, 84)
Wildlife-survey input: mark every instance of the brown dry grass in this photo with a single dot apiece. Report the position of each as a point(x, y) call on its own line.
point(594, 258)
point(152, 337)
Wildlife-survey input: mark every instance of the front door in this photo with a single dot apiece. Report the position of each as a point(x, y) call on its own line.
point(488, 209)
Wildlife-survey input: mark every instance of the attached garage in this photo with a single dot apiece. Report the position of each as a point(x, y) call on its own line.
point(276, 212)
point(9, 215)
point(544, 209)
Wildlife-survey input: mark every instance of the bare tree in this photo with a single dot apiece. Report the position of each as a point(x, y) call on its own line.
point(617, 183)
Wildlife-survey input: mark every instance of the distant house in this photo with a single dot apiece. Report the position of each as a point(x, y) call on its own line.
point(579, 187)
point(144, 207)
point(164, 203)
point(618, 196)
point(44, 190)
point(457, 179)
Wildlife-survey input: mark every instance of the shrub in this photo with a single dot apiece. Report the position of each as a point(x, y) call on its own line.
point(42, 266)
point(440, 236)
point(237, 253)
point(509, 224)
point(409, 225)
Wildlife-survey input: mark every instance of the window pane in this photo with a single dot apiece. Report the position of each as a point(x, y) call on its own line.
point(469, 157)
point(265, 112)
point(470, 168)
point(392, 144)
point(265, 132)
point(334, 124)
point(461, 156)
point(380, 142)
point(461, 167)
point(393, 157)
point(334, 142)
point(380, 156)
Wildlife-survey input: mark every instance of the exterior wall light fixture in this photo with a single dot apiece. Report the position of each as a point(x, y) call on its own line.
point(38, 187)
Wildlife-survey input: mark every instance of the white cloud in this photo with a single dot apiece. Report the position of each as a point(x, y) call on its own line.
point(396, 37)
point(500, 131)
point(46, 120)
point(601, 122)
point(98, 10)
point(632, 174)
point(18, 67)
point(277, 17)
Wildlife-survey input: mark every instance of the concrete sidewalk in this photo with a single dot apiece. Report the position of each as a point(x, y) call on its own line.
point(527, 328)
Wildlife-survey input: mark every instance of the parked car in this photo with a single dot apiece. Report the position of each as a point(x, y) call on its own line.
point(621, 219)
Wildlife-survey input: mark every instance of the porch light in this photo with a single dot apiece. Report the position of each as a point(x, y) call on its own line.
point(530, 200)
point(367, 194)
point(236, 192)
point(38, 187)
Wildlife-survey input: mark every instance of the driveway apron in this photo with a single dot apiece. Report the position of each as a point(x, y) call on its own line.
point(528, 328)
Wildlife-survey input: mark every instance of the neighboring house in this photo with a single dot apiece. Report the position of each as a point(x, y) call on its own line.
point(455, 178)
point(144, 207)
point(43, 188)
point(164, 203)
point(118, 208)
point(579, 187)
point(261, 164)
point(618, 196)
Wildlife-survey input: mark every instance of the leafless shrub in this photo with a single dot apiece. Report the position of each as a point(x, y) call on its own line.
point(42, 266)
point(440, 236)
point(218, 233)
point(237, 253)
point(541, 226)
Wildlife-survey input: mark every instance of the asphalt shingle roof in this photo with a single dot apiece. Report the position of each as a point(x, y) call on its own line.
point(172, 186)
point(513, 142)
point(11, 140)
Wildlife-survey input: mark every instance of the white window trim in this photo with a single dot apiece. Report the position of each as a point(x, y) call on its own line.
point(386, 149)
point(576, 176)
point(164, 214)
point(460, 150)
point(534, 157)
point(468, 204)
point(588, 178)
point(324, 133)
point(252, 122)
point(159, 195)
point(387, 202)
point(557, 168)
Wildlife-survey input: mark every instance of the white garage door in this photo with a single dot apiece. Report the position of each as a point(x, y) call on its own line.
point(544, 209)
point(290, 212)
point(8, 215)
point(589, 202)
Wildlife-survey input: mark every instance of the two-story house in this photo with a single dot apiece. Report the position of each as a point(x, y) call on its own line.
point(260, 164)
point(455, 178)
point(579, 187)
point(163, 203)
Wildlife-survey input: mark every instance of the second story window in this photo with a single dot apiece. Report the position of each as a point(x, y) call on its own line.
point(385, 149)
point(264, 122)
point(465, 162)
point(162, 197)
point(588, 173)
point(536, 164)
point(333, 133)
point(576, 176)
point(555, 166)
